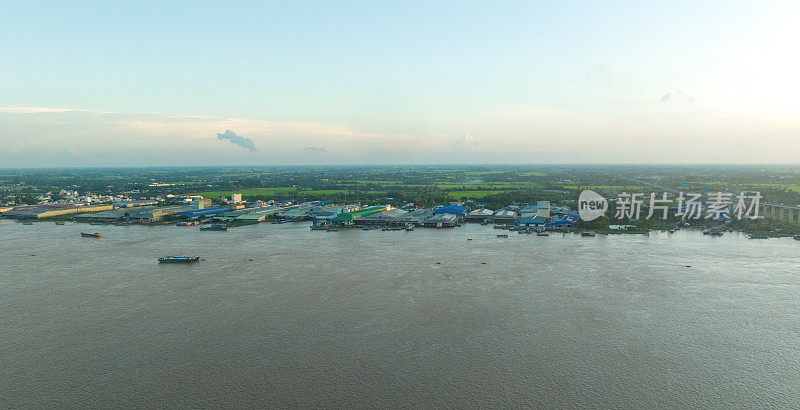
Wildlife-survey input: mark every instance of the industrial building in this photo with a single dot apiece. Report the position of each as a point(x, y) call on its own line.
point(505, 215)
point(331, 210)
point(259, 214)
point(49, 211)
point(539, 209)
point(347, 218)
point(202, 212)
point(416, 217)
point(135, 203)
point(479, 215)
point(141, 215)
point(441, 220)
point(535, 221)
point(392, 217)
point(452, 209)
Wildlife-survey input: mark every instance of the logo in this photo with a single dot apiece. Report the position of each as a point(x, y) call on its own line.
point(591, 205)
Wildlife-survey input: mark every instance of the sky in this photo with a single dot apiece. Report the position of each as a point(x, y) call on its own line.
point(304, 82)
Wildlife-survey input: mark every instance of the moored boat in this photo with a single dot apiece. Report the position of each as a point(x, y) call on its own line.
point(502, 236)
point(90, 235)
point(542, 234)
point(587, 233)
point(27, 223)
point(178, 259)
point(60, 222)
point(758, 237)
point(215, 227)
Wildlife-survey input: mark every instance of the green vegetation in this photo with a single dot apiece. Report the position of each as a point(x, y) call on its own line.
point(476, 186)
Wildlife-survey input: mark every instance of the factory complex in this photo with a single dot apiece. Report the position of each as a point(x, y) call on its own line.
point(321, 214)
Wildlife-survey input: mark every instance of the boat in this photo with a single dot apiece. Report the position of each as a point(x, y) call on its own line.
point(758, 237)
point(332, 229)
point(587, 233)
point(542, 234)
point(318, 227)
point(215, 227)
point(796, 237)
point(178, 259)
point(409, 228)
point(60, 222)
point(188, 223)
point(502, 236)
point(715, 233)
point(90, 235)
point(27, 223)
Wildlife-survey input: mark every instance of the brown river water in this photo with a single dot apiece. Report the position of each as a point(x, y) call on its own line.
point(395, 319)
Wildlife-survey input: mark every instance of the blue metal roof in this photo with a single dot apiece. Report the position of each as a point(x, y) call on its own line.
point(451, 209)
point(203, 212)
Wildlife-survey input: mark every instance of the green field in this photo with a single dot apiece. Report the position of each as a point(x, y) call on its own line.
point(472, 194)
point(248, 192)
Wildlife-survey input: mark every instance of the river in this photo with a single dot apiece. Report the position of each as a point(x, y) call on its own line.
point(279, 315)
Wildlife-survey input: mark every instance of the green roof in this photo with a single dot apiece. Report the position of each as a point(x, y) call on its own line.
point(350, 216)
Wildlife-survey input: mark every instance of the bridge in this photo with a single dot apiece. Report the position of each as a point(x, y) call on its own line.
point(781, 212)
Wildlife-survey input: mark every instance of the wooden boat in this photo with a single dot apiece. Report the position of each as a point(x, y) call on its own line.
point(27, 223)
point(502, 236)
point(60, 222)
point(90, 235)
point(587, 233)
point(178, 259)
point(542, 234)
point(758, 237)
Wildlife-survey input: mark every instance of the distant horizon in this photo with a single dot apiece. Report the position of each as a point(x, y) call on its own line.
point(416, 165)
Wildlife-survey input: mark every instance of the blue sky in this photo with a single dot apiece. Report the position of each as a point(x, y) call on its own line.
point(93, 83)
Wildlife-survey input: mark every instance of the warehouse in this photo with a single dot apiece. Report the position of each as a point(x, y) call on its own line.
point(347, 218)
point(259, 214)
point(452, 209)
point(505, 215)
point(479, 215)
point(141, 215)
point(416, 217)
point(49, 211)
point(204, 212)
point(536, 221)
point(441, 221)
point(391, 217)
point(563, 221)
point(331, 210)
